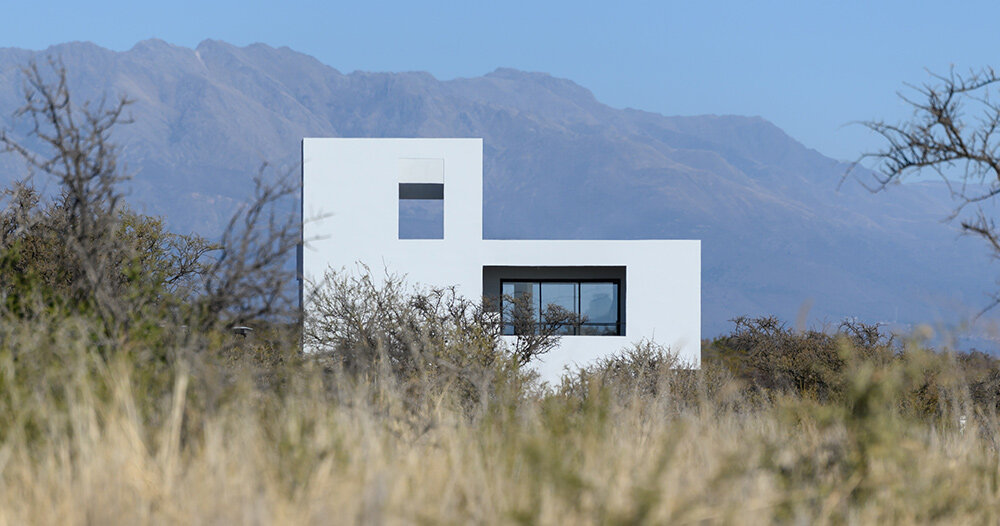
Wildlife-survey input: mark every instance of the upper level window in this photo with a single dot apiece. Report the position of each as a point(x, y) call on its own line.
point(574, 307)
point(421, 199)
point(421, 211)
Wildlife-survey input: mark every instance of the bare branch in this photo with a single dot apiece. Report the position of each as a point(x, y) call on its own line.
point(953, 133)
point(251, 277)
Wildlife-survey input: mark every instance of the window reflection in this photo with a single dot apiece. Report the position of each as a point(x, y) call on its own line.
point(599, 302)
point(564, 296)
point(592, 305)
point(521, 305)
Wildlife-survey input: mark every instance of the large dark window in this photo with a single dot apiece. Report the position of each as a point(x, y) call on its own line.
point(579, 307)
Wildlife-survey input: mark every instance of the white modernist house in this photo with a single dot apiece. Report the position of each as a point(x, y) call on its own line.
point(415, 207)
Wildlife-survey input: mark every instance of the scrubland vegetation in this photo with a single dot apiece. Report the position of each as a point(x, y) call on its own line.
point(776, 426)
point(126, 398)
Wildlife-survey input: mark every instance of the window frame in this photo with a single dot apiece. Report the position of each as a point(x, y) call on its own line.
point(618, 324)
point(427, 197)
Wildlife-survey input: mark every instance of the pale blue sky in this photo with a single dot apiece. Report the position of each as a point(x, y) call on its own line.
point(809, 67)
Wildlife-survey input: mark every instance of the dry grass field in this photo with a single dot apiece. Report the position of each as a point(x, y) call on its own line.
point(240, 433)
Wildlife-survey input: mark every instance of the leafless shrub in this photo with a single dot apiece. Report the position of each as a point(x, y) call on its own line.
point(364, 319)
point(771, 356)
point(250, 277)
point(87, 246)
point(640, 368)
point(537, 333)
point(84, 161)
point(431, 337)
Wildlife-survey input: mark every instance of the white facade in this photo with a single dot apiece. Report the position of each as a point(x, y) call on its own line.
point(353, 187)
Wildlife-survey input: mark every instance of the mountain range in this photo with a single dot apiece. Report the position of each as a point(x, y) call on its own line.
point(783, 232)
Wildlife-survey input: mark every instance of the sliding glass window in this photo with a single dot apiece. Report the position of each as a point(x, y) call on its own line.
point(568, 307)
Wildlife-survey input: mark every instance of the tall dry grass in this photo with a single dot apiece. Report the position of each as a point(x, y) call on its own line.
point(225, 437)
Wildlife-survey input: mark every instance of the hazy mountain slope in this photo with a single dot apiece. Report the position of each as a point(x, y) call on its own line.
point(558, 163)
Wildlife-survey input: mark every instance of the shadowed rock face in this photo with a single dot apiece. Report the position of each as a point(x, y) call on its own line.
point(558, 164)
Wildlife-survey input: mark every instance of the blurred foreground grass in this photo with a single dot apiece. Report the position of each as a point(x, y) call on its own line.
point(250, 432)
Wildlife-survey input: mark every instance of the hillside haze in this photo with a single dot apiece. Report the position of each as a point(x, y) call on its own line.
point(777, 234)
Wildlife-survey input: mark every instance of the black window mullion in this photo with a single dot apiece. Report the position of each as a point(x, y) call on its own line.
point(540, 309)
point(578, 326)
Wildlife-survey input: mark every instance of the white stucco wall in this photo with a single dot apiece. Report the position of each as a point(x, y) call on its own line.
point(350, 206)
